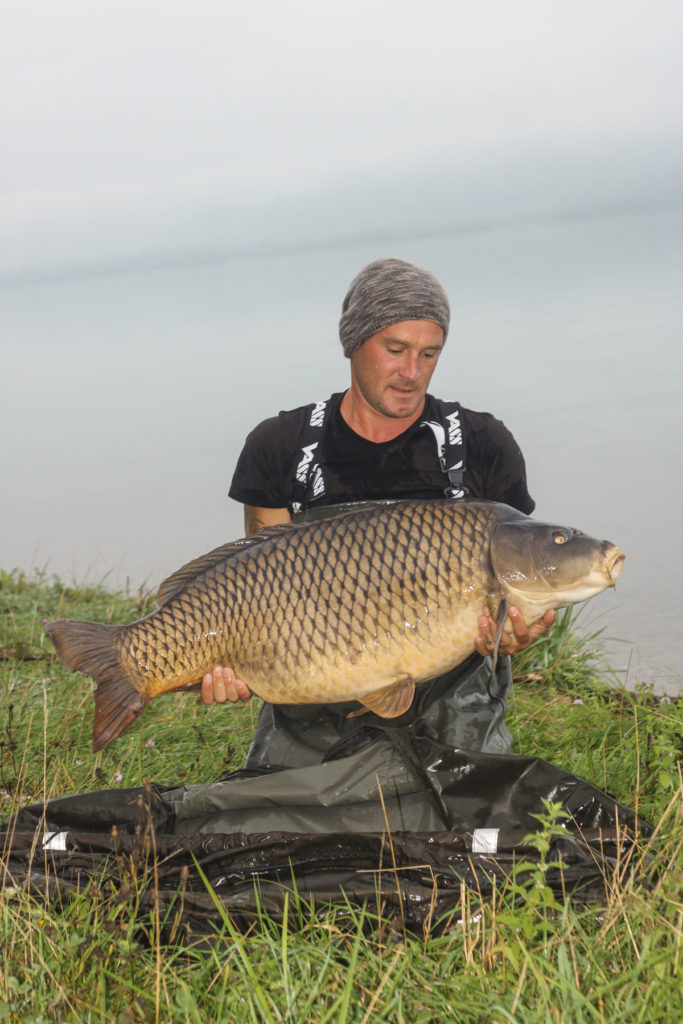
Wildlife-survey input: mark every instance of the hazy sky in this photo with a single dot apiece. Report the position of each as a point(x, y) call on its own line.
point(131, 124)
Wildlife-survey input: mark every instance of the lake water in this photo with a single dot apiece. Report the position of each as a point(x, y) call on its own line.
point(126, 398)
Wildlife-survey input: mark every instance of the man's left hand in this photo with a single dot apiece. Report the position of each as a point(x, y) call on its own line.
point(516, 634)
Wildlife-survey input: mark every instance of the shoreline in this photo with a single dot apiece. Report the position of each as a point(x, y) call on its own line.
point(144, 596)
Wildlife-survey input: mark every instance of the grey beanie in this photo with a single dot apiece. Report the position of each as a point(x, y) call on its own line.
point(386, 292)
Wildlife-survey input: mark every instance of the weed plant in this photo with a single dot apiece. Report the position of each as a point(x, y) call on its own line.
point(523, 955)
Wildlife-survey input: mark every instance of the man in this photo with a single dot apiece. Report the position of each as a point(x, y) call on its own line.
point(384, 438)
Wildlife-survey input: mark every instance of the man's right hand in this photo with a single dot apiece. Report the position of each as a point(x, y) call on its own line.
point(221, 685)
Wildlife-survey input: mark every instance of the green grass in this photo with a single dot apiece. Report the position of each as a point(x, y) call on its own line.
point(522, 956)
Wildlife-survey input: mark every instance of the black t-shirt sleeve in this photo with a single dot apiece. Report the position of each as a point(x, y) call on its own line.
point(497, 464)
point(262, 476)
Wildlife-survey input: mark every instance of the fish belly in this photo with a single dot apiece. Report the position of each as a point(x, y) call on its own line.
point(420, 653)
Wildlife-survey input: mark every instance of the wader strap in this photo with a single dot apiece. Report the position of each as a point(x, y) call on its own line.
point(309, 479)
point(309, 474)
point(450, 446)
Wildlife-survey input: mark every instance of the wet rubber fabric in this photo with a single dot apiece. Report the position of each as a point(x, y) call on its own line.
point(464, 708)
point(396, 830)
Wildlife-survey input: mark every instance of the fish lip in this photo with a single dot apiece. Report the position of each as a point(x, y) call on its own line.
point(614, 564)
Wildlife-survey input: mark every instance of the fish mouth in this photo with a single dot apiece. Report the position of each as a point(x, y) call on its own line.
point(614, 563)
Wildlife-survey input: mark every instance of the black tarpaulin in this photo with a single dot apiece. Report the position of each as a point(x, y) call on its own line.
point(400, 831)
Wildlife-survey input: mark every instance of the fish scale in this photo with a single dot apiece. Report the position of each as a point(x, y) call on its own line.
point(359, 607)
point(316, 647)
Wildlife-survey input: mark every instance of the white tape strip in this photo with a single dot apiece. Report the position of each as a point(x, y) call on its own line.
point(485, 840)
point(55, 840)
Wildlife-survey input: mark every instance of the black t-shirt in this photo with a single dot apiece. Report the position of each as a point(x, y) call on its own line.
point(358, 470)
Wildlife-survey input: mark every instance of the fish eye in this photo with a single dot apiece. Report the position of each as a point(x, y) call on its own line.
point(560, 537)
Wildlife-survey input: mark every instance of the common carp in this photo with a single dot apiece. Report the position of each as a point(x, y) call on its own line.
point(362, 606)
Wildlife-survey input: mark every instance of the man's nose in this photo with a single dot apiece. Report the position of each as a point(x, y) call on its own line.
point(409, 368)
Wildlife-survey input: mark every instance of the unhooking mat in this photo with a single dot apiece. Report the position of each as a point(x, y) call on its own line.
point(399, 826)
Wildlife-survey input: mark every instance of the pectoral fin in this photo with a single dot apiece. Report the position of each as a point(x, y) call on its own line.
point(389, 702)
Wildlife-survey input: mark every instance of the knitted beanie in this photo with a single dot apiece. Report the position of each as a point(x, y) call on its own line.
point(386, 292)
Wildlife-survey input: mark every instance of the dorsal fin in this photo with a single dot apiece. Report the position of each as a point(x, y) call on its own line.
point(178, 580)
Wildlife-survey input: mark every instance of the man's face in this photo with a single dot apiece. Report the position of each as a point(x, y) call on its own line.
point(393, 368)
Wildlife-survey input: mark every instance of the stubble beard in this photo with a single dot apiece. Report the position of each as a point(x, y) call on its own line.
point(389, 408)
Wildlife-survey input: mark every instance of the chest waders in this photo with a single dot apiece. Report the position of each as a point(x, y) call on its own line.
point(465, 708)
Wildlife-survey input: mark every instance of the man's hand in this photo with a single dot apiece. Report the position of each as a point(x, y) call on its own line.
point(516, 634)
point(222, 685)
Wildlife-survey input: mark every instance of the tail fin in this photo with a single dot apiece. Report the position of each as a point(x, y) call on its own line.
point(91, 647)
